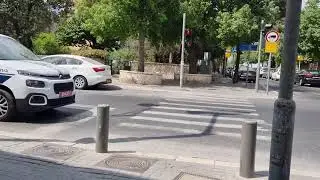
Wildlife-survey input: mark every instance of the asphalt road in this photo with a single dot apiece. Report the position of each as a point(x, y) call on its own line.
point(176, 124)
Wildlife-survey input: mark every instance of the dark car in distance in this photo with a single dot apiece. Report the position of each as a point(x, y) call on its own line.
point(311, 77)
point(251, 75)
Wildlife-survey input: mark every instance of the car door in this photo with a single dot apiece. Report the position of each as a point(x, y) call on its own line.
point(74, 66)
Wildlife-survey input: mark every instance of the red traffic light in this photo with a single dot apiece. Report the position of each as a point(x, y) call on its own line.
point(188, 32)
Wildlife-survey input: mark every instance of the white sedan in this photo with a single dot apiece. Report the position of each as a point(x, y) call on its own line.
point(85, 71)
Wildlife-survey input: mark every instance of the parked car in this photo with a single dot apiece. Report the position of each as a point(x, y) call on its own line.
point(29, 85)
point(311, 77)
point(276, 75)
point(84, 71)
point(251, 74)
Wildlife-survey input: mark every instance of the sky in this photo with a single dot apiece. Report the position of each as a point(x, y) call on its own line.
point(303, 3)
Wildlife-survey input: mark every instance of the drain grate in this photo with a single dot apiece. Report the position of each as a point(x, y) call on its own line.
point(53, 151)
point(128, 163)
point(187, 176)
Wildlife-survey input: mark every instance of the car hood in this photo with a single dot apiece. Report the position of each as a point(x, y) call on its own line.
point(37, 67)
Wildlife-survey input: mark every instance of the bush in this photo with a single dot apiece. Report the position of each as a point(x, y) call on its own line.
point(97, 54)
point(120, 59)
point(47, 44)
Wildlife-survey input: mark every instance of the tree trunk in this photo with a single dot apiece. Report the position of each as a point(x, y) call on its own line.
point(170, 57)
point(192, 58)
point(141, 51)
point(236, 71)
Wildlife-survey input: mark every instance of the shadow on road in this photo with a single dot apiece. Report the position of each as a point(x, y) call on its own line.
point(105, 87)
point(60, 115)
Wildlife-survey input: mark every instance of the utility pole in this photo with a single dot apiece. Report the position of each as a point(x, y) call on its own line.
point(284, 106)
point(259, 55)
point(182, 50)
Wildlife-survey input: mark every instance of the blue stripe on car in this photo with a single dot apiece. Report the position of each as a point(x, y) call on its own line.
point(4, 77)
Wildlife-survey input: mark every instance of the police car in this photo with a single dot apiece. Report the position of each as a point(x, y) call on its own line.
point(28, 84)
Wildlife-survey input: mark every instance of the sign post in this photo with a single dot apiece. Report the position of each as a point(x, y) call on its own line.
point(300, 58)
point(182, 50)
point(271, 47)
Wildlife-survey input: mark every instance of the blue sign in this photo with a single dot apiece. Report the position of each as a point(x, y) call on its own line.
point(246, 47)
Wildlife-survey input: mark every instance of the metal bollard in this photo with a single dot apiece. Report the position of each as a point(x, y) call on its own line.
point(248, 148)
point(102, 136)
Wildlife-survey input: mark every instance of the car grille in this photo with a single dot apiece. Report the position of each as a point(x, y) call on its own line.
point(62, 76)
point(61, 87)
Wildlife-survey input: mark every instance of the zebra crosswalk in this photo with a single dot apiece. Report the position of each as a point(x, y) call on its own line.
point(223, 116)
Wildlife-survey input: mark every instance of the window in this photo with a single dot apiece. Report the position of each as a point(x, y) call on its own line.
point(11, 49)
point(61, 61)
point(74, 61)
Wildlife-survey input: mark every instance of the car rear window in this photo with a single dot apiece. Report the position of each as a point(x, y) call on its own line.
point(92, 61)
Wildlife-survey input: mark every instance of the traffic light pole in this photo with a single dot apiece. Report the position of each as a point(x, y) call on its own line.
point(259, 55)
point(284, 106)
point(182, 50)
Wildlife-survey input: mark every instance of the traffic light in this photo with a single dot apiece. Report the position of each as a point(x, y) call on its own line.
point(188, 37)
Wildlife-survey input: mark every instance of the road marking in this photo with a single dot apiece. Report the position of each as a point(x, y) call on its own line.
point(212, 107)
point(205, 110)
point(207, 99)
point(207, 117)
point(213, 103)
point(188, 131)
point(205, 124)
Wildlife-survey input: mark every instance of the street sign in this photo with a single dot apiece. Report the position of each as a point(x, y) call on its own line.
point(272, 42)
point(228, 52)
point(300, 58)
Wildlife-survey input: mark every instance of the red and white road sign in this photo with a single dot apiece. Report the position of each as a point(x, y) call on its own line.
point(272, 36)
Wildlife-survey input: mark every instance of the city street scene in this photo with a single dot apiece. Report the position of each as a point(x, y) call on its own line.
point(159, 90)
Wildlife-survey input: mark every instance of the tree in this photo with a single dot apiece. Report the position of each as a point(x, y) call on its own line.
point(310, 30)
point(23, 19)
point(125, 18)
point(47, 44)
point(237, 27)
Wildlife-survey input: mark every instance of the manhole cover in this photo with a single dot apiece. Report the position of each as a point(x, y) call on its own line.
point(187, 176)
point(129, 163)
point(53, 151)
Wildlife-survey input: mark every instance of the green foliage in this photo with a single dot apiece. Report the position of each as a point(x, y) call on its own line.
point(72, 32)
point(47, 44)
point(23, 19)
point(237, 27)
point(250, 57)
point(310, 30)
point(123, 54)
point(97, 54)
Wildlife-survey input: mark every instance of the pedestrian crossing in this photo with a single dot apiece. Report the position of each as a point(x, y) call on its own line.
point(220, 116)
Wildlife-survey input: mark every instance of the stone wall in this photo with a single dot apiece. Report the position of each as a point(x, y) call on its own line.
point(195, 78)
point(167, 70)
point(144, 78)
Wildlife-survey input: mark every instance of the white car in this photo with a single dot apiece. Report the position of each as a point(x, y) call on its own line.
point(84, 71)
point(276, 74)
point(28, 84)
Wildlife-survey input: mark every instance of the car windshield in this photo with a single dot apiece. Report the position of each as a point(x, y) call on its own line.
point(12, 50)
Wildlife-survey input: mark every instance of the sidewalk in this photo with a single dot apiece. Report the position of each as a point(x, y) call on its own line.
point(221, 86)
point(38, 159)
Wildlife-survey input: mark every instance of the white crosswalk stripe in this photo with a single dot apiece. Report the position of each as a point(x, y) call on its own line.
point(222, 116)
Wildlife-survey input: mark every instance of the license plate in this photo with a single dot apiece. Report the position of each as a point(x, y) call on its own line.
point(65, 94)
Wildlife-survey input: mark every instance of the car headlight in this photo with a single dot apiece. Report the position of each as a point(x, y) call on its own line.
point(26, 73)
point(35, 83)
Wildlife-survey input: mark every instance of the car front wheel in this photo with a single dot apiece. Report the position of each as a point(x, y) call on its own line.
point(7, 106)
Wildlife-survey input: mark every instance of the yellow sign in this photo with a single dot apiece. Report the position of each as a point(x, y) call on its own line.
point(228, 54)
point(272, 42)
point(300, 58)
point(271, 47)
